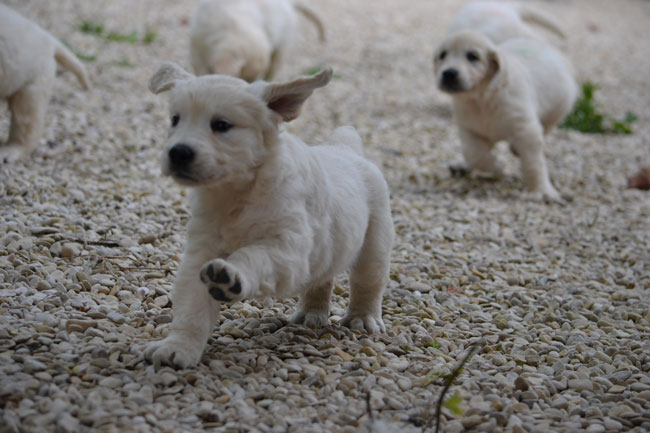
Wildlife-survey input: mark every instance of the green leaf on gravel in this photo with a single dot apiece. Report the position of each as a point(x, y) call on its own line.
point(131, 38)
point(91, 27)
point(586, 117)
point(453, 404)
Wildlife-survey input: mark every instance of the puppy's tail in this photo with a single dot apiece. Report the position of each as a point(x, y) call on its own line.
point(69, 61)
point(535, 16)
point(346, 136)
point(311, 16)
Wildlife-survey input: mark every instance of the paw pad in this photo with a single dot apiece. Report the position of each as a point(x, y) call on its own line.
point(222, 286)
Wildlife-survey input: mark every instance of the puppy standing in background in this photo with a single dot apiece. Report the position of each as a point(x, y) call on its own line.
point(502, 21)
point(244, 38)
point(28, 58)
point(271, 216)
point(516, 91)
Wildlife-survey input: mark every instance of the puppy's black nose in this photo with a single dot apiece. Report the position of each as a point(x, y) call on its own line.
point(450, 76)
point(181, 154)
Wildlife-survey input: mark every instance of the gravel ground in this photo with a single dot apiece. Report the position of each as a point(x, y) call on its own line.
point(555, 295)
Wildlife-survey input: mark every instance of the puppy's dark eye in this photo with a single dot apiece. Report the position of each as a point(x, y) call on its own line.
point(442, 55)
point(175, 119)
point(472, 57)
point(218, 125)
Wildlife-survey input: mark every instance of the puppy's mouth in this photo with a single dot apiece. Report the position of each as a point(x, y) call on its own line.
point(450, 86)
point(184, 178)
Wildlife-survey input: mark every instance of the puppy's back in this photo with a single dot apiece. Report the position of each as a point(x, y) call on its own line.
point(550, 74)
point(346, 136)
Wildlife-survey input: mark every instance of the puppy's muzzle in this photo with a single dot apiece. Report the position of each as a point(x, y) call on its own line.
point(449, 80)
point(180, 157)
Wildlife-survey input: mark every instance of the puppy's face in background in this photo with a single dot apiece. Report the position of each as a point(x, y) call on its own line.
point(464, 61)
point(216, 133)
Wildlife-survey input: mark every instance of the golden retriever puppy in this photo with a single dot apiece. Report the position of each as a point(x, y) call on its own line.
point(271, 216)
point(516, 91)
point(28, 58)
point(502, 21)
point(244, 38)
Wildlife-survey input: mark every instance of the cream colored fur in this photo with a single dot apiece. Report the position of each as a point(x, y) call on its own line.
point(271, 216)
point(516, 92)
point(244, 38)
point(502, 21)
point(28, 57)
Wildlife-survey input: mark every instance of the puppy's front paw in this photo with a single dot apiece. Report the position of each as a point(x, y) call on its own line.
point(368, 322)
point(176, 351)
point(548, 195)
point(311, 319)
point(459, 170)
point(12, 153)
point(224, 281)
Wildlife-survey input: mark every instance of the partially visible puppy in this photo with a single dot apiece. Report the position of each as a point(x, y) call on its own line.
point(244, 38)
point(271, 216)
point(28, 58)
point(502, 21)
point(516, 92)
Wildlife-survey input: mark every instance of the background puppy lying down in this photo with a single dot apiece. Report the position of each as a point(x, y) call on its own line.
point(245, 38)
point(28, 58)
point(516, 92)
point(271, 216)
point(502, 21)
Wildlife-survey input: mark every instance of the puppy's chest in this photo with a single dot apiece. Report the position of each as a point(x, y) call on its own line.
point(226, 237)
point(482, 119)
point(231, 237)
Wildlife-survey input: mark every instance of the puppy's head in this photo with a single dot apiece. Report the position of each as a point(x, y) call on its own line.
point(464, 61)
point(223, 128)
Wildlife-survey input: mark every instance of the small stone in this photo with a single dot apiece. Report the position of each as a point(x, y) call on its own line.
point(69, 250)
point(398, 364)
point(110, 382)
point(80, 325)
point(620, 377)
point(560, 403)
point(148, 238)
point(617, 389)
point(581, 384)
point(67, 423)
point(472, 420)
point(521, 383)
point(32, 366)
point(43, 285)
point(595, 428)
point(163, 318)
point(161, 301)
point(116, 317)
point(622, 410)
point(612, 424)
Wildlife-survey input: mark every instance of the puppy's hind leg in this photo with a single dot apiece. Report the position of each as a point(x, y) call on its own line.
point(478, 155)
point(369, 276)
point(274, 64)
point(529, 146)
point(28, 107)
point(313, 308)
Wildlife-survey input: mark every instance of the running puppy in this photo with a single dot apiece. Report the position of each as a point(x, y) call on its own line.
point(28, 58)
point(516, 92)
point(271, 216)
point(244, 38)
point(503, 21)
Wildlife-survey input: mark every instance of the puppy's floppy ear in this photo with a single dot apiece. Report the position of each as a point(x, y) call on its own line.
point(286, 99)
point(494, 60)
point(166, 76)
